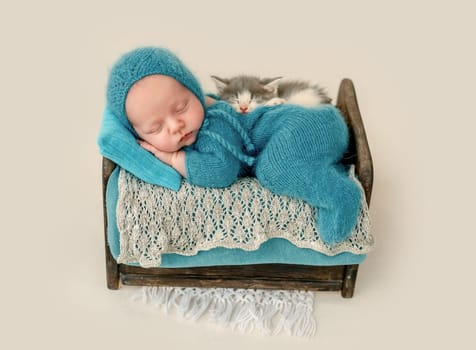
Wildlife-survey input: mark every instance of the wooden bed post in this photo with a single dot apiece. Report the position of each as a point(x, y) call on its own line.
point(348, 283)
point(361, 157)
point(112, 268)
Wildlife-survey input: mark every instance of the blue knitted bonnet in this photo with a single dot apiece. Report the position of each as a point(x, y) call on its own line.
point(138, 64)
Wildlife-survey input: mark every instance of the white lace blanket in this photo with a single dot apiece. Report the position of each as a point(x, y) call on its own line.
point(153, 220)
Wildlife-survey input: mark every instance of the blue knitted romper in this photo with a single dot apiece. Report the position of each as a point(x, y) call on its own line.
point(297, 153)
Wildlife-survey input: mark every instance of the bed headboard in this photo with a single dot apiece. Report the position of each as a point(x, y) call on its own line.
point(359, 151)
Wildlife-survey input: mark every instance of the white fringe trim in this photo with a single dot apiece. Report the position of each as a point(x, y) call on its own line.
point(244, 310)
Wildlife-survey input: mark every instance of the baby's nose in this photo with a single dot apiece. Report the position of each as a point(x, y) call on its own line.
point(176, 125)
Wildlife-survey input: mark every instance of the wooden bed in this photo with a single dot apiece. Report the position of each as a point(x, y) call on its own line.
point(273, 276)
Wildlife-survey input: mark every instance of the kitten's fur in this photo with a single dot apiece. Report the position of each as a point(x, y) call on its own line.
point(246, 92)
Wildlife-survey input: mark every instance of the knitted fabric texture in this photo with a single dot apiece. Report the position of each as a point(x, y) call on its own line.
point(153, 220)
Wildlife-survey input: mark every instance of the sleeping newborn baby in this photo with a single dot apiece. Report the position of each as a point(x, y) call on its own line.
point(161, 102)
point(292, 150)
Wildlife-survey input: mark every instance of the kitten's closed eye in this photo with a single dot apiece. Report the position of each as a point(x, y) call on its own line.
point(244, 92)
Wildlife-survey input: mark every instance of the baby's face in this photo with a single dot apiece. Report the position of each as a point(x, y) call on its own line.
point(164, 113)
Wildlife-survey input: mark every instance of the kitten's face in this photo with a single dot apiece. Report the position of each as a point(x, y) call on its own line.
point(245, 93)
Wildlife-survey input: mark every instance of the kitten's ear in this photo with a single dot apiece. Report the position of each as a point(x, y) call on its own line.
point(271, 84)
point(220, 82)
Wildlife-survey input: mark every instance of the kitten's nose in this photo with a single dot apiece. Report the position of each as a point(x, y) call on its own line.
point(243, 109)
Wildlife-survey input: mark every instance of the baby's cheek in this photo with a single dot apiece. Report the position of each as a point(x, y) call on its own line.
point(156, 144)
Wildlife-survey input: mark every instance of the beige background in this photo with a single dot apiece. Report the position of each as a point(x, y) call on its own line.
point(413, 66)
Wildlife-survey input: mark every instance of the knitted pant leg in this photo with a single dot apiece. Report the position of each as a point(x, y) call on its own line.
point(340, 201)
point(325, 186)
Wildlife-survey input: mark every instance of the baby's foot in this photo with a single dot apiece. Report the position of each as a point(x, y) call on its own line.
point(336, 224)
point(330, 229)
point(275, 101)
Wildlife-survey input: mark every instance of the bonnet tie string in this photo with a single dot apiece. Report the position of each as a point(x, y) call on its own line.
point(236, 153)
point(236, 125)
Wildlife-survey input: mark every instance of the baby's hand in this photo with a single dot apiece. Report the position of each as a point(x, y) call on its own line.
point(165, 157)
point(174, 159)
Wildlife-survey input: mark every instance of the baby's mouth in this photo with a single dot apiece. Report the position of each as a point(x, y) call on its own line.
point(186, 136)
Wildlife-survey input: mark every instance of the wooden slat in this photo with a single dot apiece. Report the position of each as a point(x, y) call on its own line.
point(269, 271)
point(230, 281)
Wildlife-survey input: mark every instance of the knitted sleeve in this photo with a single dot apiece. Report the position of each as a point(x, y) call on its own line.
point(216, 158)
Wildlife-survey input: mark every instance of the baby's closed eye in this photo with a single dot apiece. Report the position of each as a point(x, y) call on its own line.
point(154, 130)
point(181, 107)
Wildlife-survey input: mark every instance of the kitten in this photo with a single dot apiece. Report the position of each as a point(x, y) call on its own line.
point(245, 92)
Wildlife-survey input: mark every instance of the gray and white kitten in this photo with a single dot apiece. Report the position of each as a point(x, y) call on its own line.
point(246, 92)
